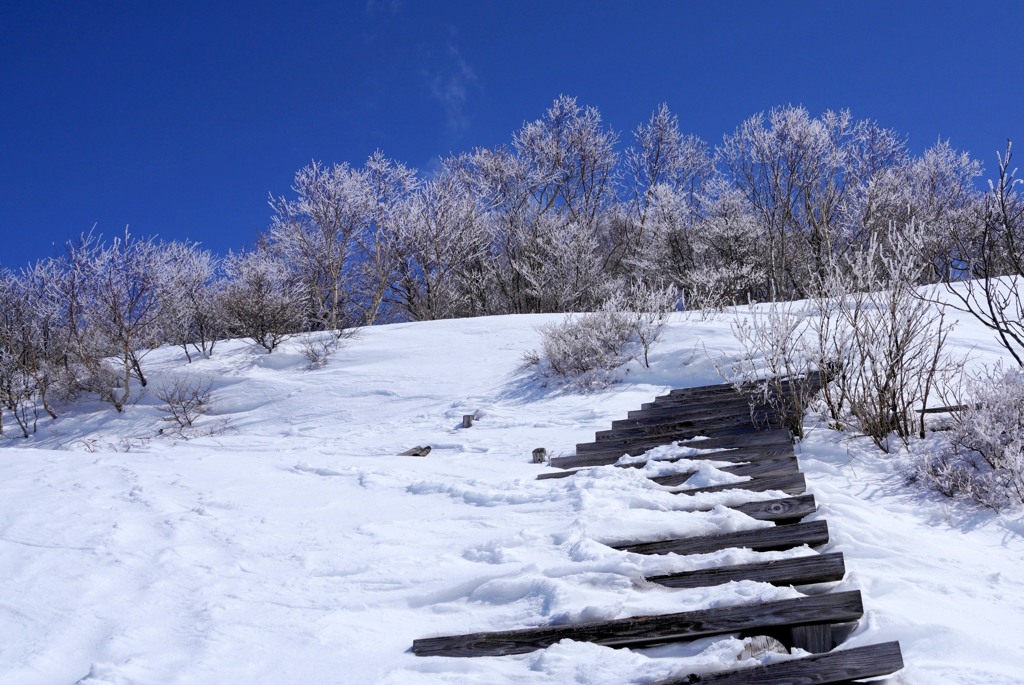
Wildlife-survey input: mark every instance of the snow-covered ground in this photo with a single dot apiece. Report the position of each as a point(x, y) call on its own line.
point(289, 543)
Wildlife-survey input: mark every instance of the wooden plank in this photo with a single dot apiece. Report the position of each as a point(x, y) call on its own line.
point(812, 533)
point(765, 467)
point(834, 667)
point(673, 414)
point(738, 454)
point(697, 405)
point(786, 509)
point(817, 568)
point(628, 428)
point(732, 455)
point(791, 484)
point(746, 454)
point(815, 638)
point(642, 631)
point(667, 438)
point(722, 389)
point(597, 455)
point(662, 418)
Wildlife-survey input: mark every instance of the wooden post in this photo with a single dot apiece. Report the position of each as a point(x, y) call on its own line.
point(467, 420)
point(540, 455)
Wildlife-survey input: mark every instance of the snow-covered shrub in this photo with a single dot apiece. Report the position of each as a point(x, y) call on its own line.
point(584, 349)
point(646, 309)
point(893, 347)
point(984, 460)
point(775, 342)
point(318, 347)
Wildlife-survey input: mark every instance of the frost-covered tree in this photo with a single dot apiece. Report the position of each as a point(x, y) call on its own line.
point(665, 171)
point(336, 236)
point(720, 259)
point(187, 292)
point(573, 157)
point(113, 310)
point(390, 183)
point(876, 198)
point(441, 245)
point(791, 168)
point(261, 300)
point(546, 205)
point(317, 235)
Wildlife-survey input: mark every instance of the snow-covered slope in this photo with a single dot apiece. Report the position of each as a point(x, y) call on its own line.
point(288, 543)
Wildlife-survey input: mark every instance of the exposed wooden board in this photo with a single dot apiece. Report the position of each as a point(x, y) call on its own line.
point(596, 455)
point(718, 394)
point(778, 436)
point(697, 405)
point(665, 437)
point(815, 638)
point(817, 568)
point(812, 533)
point(674, 415)
point(760, 418)
point(738, 454)
point(834, 667)
point(766, 467)
point(724, 389)
point(791, 484)
point(649, 441)
point(746, 454)
point(786, 509)
point(650, 630)
point(669, 424)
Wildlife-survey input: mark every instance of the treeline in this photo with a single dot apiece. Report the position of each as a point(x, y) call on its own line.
point(560, 220)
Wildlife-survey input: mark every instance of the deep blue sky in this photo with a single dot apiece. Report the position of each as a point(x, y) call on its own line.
point(178, 118)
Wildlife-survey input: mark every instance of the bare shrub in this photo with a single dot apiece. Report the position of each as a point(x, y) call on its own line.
point(185, 399)
point(646, 309)
point(991, 256)
point(318, 347)
point(584, 349)
point(775, 339)
point(894, 358)
point(984, 460)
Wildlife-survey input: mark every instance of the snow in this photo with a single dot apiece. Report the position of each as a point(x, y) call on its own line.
point(287, 543)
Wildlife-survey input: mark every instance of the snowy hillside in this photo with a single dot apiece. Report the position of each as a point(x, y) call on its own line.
point(288, 543)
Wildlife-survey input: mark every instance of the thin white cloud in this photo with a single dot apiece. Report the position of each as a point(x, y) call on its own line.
point(451, 86)
point(389, 7)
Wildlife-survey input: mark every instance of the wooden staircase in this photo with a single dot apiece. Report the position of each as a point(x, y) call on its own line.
point(750, 437)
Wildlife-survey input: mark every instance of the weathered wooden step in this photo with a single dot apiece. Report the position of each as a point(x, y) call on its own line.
point(735, 456)
point(642, 631)
point(785, 509)
point(683, 435)
point(699, 405)
point(626, 428)
point(811, 533)
point(670, 414)
point(791, 484)
point(817, 568)
point(678, 431)
point(596, 454)
point(765, 467)
point(724, 388)
point(838, 666)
